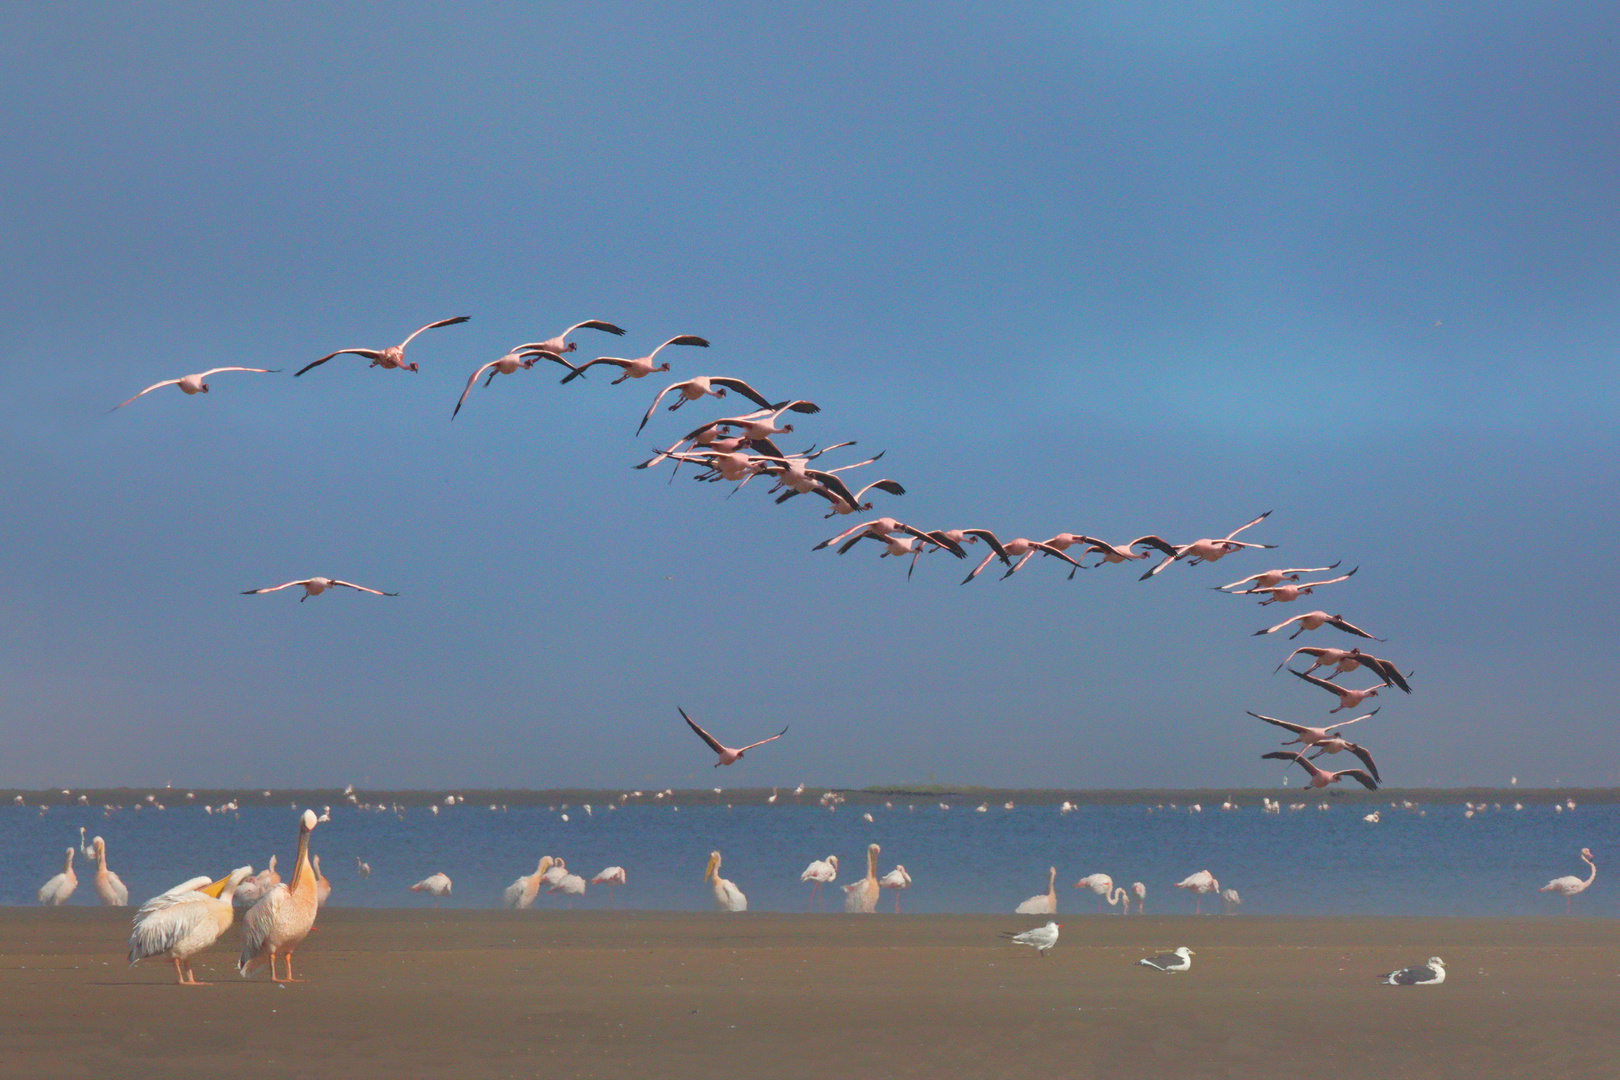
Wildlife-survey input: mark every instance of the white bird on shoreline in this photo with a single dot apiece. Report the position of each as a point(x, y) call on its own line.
point(1041, 939)
point(315, 586)
point(391, 357)
point(1176, 960)
point(183, 922)
point(521, 893)
point(1572, 885)
point(1139, 891)
point(193, 384)
point(1043, 903)
point(639, 367)
point(55, 892)
point(727, 897)
point(610, 876)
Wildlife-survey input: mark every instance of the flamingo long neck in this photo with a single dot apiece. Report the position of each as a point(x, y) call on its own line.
point(303, 874)
point(1593, 875)
point(1119, 894)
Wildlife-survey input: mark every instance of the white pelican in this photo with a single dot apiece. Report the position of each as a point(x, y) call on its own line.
point(820, 872)
point(109, 886)
point(1343, 660)
point(1040, 939)
point(640, 367)
point(1198, 884)
point(435, 885)
point(1314, 620)
point(184, 921)
point(193, 384)
point(1045, 904)
point(1139, 891)
point(284, 917)
point(323, 887)
point(861, 897)
point(391, 357)
point(1348, 699)
point(727, 897)
point(521, 893)
point(1173, 961)
point(1267, 578)
point(727, 754)
point(1572, 885)
point(524, 356)
point(1321, 777)
point(610, 876)
point(1207, 550)
point(1329, 740)
point(1431, 974)
point(896, 879)
point(1291, 591)
point(363, 869)
point(56, 891)
point(569, 885)
point(314, 587)
point(1103, 886)
point(703, 385)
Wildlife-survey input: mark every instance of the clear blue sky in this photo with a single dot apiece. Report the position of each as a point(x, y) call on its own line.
point(1138, 268)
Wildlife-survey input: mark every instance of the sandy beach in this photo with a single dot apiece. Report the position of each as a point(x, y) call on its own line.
point(609, 994)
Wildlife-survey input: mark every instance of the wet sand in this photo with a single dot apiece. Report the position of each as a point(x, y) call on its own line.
point(604, 994)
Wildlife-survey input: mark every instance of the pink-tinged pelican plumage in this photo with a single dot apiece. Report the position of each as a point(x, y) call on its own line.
point(1044, 903)
point(1103, 886)
point(1320, 777)
point(1040, 939)
point(109, 886)
point(435, 885)
point(315, 586)
point(896, 879)
point(1209, 550)
point(727, 897)
point(193, 384)
point(1313, 620)
point(1343, 660)
point(640, 367)
point(610, 876)
point(1327, 738)
point(1291, 591)
point(524, 356)
point(521, 893)
point(703, 386)
point(728, 755)
point(1348, 699)
point(820, 872)
point(55, 892)
point(283, 918)
point(184, 921)
point(861, 896)
point(391, 357)
point(1572, 885)
point(1198, 884)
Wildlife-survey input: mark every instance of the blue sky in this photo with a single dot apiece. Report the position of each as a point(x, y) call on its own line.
point(1118, 270)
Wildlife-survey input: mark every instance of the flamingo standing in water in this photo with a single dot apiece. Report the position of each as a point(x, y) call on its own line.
point(55, 892)
point(193, 384)
point(1198, 884)
point(861, 897)
point(1572, 885)
point(638, 368)
point(109, 886)
point(1043, 903)
point(437, 886)
point(1139, 891)
point(1208, 550)
point(820, 872)
point(896, 879)
point(391, 357)
point(1103, 886)
point(611, 876)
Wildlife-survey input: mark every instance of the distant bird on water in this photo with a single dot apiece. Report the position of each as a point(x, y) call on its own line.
point(1041, 939)
point(391, 357)
point(315, 586)
point(640, 367)
point(1139, 891)
point(728, 755)
point(727, 897)
point(1176, 960)
point(1431, 974)
point(361, 868)
point(896, 879)
point(435, 885)
point(284, 916)
point(1572, 885)
point(1198, 884)
point(193, 384)
point(1044, 903)
point(55, 892)
point(183, 922)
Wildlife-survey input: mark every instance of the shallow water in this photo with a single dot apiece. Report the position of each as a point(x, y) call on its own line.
point(1295, 863)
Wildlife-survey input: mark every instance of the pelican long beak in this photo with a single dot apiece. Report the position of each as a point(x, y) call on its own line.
point(217, 887)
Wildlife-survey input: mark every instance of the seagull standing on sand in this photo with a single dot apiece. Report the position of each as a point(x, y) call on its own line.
point(193, 384)
point(1176, 960)
point(391, 357)
point(1041, 939)
point(315, 586)
point(728, 755)
point(1572, 885)
point(1431, 974)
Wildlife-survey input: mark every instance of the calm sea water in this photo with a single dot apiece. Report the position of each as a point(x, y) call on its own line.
point(1295, 863)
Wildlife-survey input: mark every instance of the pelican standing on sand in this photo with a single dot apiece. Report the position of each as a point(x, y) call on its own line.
point(1198, 884)
point(183, 922)
point(896, 879)
point(109, 886)
point(1572, 885)
point(56, 891)
point(820, 872)
point(1045, 904)
point(521, 893)
point(861, 897)
point(727, 897)
point(285, 915)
